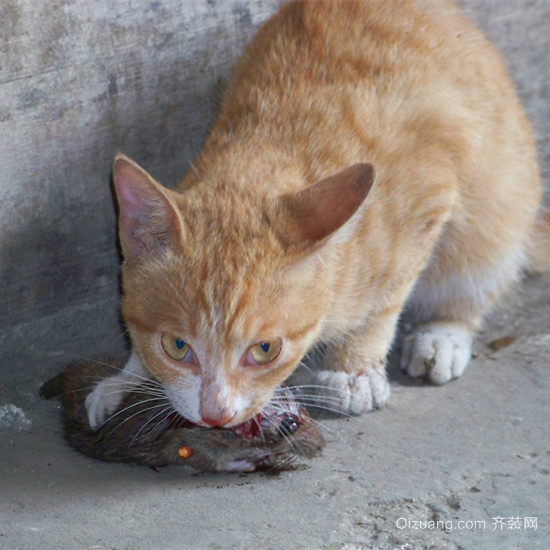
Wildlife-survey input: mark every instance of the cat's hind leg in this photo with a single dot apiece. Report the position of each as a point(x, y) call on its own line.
point(450, 307)
point(440, 350)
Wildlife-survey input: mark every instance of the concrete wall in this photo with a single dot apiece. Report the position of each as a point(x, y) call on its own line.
point(80, 80)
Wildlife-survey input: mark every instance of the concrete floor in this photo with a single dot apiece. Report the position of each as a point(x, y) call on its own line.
point(473, 455)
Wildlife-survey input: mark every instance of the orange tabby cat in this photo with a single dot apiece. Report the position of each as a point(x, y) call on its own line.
point(368, 156)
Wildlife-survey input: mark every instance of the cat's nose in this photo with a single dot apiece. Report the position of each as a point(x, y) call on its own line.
point(217, 422)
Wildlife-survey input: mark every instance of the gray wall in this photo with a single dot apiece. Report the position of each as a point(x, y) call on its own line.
point(80, 80)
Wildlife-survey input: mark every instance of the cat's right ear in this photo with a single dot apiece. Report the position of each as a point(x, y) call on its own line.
point(149, 221)
point(312, 215)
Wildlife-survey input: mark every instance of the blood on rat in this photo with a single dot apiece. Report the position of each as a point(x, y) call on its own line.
point(185, 452)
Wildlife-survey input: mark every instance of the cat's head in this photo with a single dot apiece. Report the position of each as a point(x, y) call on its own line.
point(225, 289)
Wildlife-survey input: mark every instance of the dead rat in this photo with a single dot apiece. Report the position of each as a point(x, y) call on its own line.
point(145, 429)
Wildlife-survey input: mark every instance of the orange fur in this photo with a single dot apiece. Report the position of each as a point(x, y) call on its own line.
point(241, 254)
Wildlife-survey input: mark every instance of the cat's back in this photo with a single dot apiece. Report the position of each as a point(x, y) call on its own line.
point(338, 82)
point(386, 43)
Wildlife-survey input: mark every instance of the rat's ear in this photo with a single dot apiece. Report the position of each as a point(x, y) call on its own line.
point(149, 220)
point(313, 214)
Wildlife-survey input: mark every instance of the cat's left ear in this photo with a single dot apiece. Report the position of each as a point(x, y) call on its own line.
point(149, 221)
point(315, 213)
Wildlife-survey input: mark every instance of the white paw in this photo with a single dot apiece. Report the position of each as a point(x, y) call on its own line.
point(351, 393)
point(440, 350)
point(103, 401)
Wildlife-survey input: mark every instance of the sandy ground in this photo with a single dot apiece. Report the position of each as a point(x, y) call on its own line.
point(464, 466)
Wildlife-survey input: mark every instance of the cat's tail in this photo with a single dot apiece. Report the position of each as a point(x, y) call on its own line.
point(539, 253)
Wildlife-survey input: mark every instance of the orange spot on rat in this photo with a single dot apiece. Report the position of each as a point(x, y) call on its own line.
point(185, 452)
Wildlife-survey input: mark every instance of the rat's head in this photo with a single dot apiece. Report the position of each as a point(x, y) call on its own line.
point(225, 290)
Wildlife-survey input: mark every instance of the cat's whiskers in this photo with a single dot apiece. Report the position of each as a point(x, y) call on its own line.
point(137, 413)
point(289, 438)
point(319, 397)
point(315, 400)
point(303, 365)
point(282, 402)
point(297, 389)
point(84, 358)
point(166, 411)
point(117, 368)
point(126, 386)
point(313, 404)
point(132, 406)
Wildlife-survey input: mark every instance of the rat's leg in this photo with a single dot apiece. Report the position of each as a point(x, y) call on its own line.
point(107, 395)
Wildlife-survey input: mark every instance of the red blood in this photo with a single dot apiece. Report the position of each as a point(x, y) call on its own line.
point(250, 428)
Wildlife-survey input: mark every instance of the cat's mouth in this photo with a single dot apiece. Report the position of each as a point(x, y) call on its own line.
point(282, 412)
point(287, 423)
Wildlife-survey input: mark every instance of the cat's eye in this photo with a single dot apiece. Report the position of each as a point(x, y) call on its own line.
point(175, 347)
point(264, 352)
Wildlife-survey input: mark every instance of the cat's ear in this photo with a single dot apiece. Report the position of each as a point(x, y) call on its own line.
point(149, 221)
point(316, 212)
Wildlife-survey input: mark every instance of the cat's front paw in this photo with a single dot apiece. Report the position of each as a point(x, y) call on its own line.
point(353, 393)
point(441, 351)
point(102, 401)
